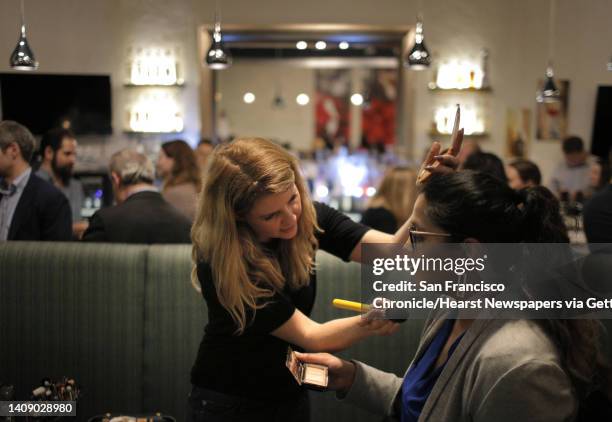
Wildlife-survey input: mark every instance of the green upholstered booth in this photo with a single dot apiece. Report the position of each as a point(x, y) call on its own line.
point(76, 310)
point(125, 321)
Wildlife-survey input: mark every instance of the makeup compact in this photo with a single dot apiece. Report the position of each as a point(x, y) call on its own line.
point(310, 375)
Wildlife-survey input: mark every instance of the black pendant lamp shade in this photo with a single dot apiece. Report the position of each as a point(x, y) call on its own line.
point(218, 57)
point(418, 58)
point(22, 57)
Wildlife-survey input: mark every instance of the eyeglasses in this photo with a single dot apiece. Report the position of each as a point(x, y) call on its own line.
point(414, 235)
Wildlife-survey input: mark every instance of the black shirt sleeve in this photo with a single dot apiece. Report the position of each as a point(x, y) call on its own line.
point(340, 233)
point(277, 309)
point(379, 219)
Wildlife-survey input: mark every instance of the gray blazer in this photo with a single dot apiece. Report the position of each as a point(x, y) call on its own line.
point(501, 371)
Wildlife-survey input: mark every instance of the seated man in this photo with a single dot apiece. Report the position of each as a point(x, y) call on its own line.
point(141, 214)
point(30, 208)
point(571, 178)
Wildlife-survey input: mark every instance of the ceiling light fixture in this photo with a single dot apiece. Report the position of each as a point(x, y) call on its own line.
point(418, 57)
point(22, 57)
point(550, 93)
point(218, 57)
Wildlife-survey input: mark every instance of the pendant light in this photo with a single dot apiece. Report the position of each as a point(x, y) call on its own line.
point(218, 57)
point(550, 93)
point(23, 57)
point(418, 57)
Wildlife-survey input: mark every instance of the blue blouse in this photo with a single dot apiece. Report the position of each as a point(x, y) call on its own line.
point(422, 376)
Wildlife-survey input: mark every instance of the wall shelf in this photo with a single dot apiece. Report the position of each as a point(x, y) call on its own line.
point(436, 134)
point(129, 85)
point(133, 132)
point(455, 90)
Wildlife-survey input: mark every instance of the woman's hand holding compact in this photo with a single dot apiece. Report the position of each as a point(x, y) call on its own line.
point(341, 373)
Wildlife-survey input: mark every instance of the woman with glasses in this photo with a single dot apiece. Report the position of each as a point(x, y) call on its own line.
point(482, 370)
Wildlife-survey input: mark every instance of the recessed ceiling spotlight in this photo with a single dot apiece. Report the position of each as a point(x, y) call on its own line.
point(343, 45)
point(301, 45)
point(249, 98)
point(302, 99)
point(357, 99)
point(320, 45)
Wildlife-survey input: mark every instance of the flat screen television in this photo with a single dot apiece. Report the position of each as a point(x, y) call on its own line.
point(42, 101)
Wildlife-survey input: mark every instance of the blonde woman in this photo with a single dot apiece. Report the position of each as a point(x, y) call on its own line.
point(254, 241)
point(393, 202)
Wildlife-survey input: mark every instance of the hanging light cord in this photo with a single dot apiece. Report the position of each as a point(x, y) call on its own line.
point(551, 31)
point(22, 15)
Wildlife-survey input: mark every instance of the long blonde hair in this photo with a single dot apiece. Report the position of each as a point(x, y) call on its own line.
point(240, 173)
point(397, 193)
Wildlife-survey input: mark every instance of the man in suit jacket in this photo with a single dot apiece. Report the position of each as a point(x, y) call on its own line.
point(30, 208)
point(142, 215)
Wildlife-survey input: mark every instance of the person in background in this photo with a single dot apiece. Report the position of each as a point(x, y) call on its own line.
point(600, 174)
point(597, 212)
point(58, 152)
point(203, 150)
point(178, 167)
point(571, 178)
point(392, 204)
point(30, 208)
point(486, 162)
point(141, 214)
point(523, 174)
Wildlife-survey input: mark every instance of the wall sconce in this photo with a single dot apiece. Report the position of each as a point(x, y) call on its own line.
point(155, 113)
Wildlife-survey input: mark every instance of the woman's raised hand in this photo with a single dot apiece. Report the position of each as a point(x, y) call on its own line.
point(440, 162)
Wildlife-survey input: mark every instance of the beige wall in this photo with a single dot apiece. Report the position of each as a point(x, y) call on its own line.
point(293, 123)
point(92, 36)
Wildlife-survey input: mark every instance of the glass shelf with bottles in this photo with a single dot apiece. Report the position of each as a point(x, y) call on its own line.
point(153, 67)
point(462, 76)
point(155, 112)
point(472, 120)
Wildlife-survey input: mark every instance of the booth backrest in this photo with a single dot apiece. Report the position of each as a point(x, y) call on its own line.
point(125, 322)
